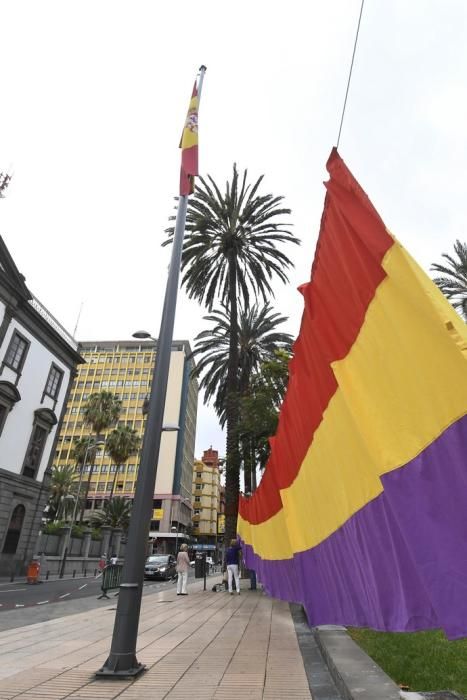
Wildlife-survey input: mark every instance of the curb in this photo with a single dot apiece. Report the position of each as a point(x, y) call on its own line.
point(355, 674)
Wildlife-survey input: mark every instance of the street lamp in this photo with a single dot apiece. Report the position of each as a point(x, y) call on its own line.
point(173, 529)
point(90, 445)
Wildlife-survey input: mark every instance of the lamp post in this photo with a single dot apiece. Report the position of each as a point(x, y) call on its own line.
point(175, 529)
point(169, 427)
point(98, 443)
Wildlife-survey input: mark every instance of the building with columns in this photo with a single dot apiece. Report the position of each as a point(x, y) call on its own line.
point(38, 360)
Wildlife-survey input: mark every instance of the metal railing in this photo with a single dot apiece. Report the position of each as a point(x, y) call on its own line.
point(111, 578)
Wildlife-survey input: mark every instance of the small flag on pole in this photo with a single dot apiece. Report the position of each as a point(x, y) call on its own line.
point(189, 146)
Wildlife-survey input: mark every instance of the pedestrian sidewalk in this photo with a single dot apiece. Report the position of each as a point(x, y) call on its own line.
point(207, 645)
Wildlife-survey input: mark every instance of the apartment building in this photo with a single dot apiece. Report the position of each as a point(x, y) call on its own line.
point(126, 368)
point(206, 496)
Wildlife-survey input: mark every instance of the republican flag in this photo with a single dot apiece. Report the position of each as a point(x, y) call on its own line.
point(361, 514)
point(189, 146)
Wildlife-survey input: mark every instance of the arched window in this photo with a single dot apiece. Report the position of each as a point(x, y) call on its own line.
point(14, 530)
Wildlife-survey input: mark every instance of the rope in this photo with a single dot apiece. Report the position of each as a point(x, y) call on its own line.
point(350, 73)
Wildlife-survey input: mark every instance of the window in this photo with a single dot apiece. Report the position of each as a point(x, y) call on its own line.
point(44, 421)
point(14, 530)
point(157, 503)
point(197, 499)
point(9, 395)
point(35, 450)
point(16, 353)
point(104, 468)
point(198, 475)
point(54, 381)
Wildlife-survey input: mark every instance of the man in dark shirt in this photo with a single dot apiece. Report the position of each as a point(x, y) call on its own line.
point(231, 560)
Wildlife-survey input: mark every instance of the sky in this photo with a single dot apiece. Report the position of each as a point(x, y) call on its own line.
point(94, 97)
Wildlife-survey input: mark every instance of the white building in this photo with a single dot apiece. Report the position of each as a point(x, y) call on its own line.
point(38, 359)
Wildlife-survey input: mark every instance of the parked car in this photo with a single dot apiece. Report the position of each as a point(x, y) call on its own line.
point(209, 561)
point(161, 566)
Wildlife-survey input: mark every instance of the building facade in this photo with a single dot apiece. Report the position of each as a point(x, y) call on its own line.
point(206, 497)
point(125, 368)
point(38, 360)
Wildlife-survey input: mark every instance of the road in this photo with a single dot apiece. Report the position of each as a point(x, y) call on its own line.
point(21, 595)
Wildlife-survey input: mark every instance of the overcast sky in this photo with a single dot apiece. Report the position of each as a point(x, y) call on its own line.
point(94, 97)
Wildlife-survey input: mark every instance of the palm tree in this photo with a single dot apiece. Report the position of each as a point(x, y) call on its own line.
point(62, 483)
point(100, 412)
point(230, 249)
point(115, 513)
point(453, 282)
point(258, 341)
point(120, 445)
point(84, 450)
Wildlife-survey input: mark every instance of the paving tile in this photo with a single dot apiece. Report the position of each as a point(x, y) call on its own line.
point(204, 647)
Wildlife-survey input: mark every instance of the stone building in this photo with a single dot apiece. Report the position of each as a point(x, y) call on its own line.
point(38, 359)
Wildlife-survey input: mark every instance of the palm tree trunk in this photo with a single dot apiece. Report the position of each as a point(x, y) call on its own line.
point(247, 465)
point(88, 482)
point(114, 481)
point(253, 467)
point(232, 477)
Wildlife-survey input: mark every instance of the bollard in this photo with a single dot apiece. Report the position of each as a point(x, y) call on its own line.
point(95, 573)
point(47, 576)
point(12, 577)
point(74, 573)
point(85, 573)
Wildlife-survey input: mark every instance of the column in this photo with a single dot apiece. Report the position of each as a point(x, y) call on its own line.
point(116, 541)
point(106, 533)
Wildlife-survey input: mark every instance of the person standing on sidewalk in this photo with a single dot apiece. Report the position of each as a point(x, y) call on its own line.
point(183, 566)
point(231, 560)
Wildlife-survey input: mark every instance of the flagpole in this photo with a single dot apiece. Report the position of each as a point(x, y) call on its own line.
point(122, 662)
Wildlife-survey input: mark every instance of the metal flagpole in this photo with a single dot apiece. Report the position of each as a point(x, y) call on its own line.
point(122, 662)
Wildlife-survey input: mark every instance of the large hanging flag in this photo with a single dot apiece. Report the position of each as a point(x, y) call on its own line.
point(361, 514)
point(189, 146)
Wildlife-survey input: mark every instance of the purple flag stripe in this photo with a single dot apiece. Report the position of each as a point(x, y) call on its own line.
point(395, 564)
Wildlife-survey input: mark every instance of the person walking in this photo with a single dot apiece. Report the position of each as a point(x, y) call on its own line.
point(231, 559)
point(183, 567)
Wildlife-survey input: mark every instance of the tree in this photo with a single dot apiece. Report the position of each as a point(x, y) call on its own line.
point(115, 513)
point(62, 485)
point(100, 412)
point(258, 340)
point(231, 250)
point(259, 411)
point(453, 280)
point(120, 445)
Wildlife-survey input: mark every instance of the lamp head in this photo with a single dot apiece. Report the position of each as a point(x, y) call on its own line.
point(142, 335)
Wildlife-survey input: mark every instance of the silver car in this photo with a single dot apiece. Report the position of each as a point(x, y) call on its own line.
point(160, 566)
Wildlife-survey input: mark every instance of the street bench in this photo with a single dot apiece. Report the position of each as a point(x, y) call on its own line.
point(111, 578)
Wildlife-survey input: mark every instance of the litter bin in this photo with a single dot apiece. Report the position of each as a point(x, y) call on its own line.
point(200, 565)
point(32, 575)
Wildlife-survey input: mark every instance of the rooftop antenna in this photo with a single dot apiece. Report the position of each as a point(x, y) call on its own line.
point(77, 320)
